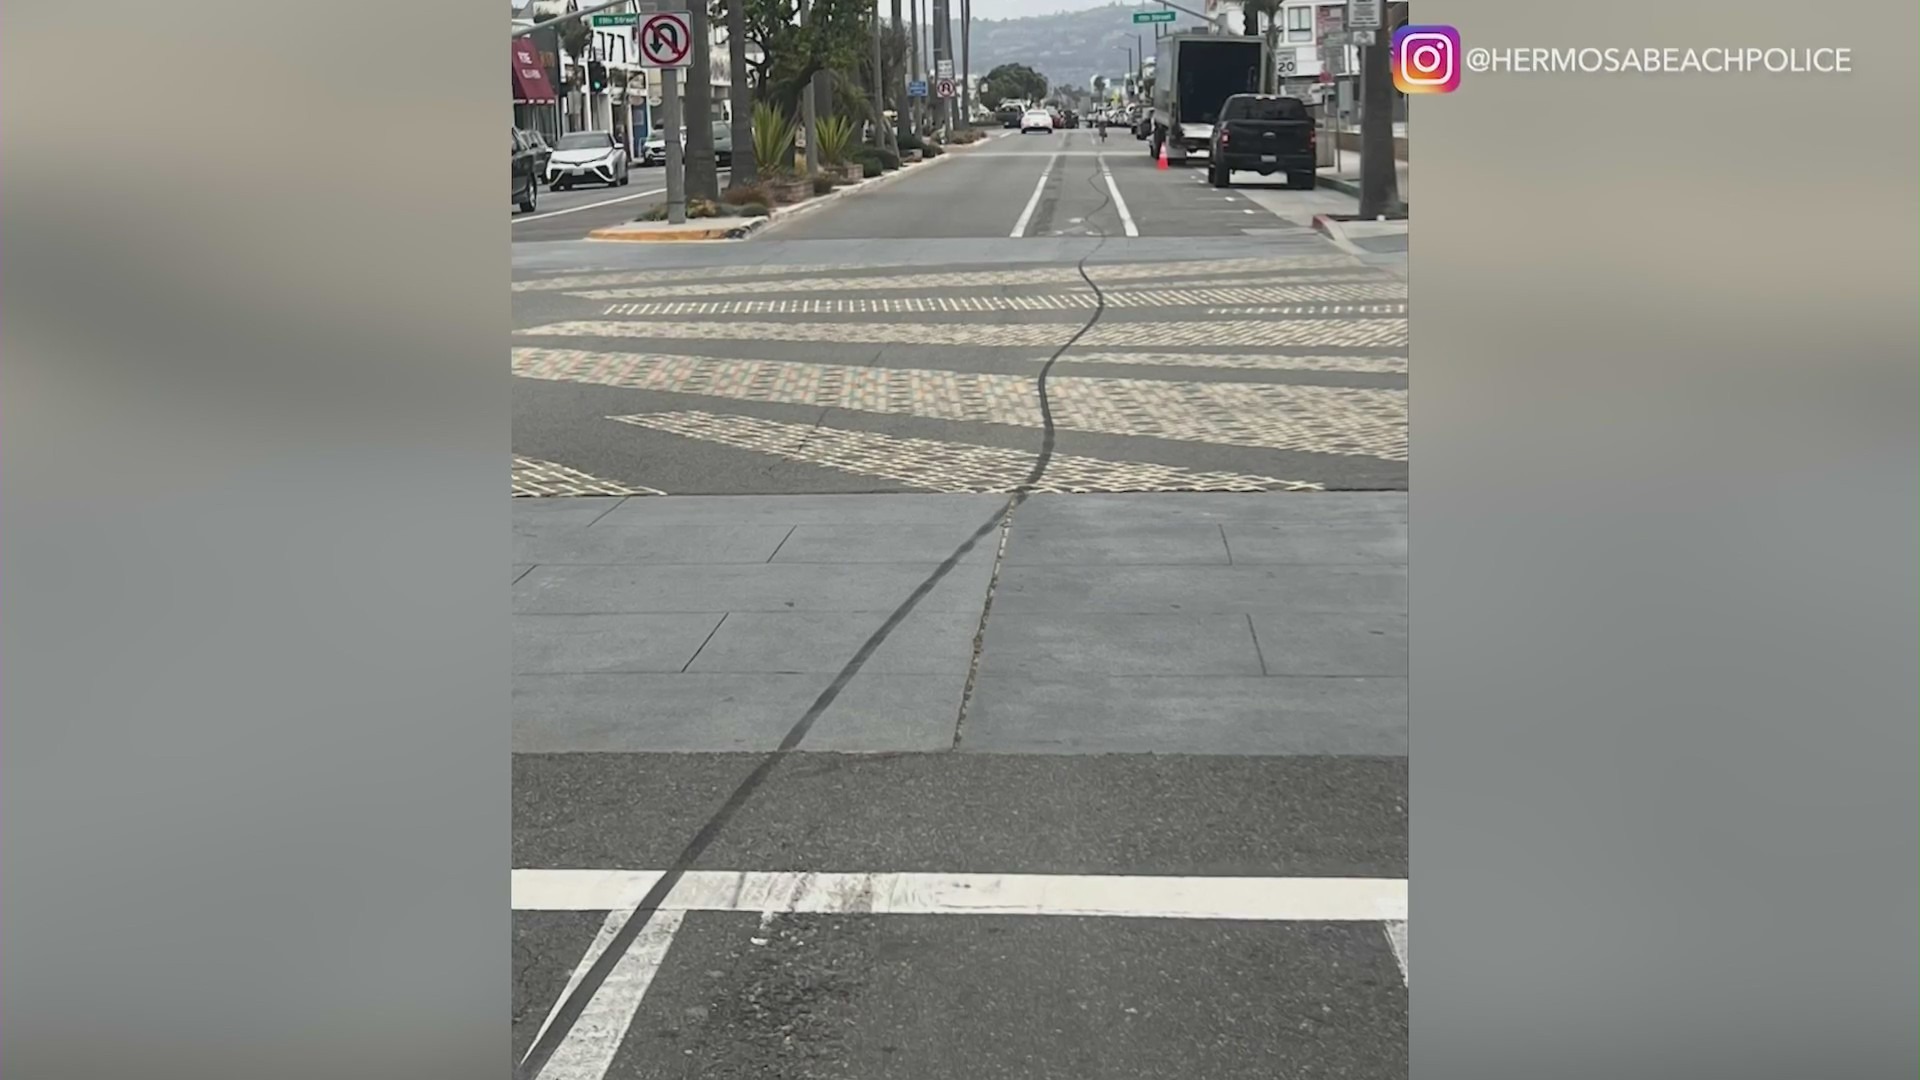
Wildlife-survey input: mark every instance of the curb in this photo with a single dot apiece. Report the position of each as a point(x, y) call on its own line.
point(1340, 184)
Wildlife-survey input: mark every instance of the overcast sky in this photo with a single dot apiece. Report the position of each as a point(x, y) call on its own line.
point(1008, 9)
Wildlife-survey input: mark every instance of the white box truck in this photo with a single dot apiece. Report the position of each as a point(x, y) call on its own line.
point(1194, 74)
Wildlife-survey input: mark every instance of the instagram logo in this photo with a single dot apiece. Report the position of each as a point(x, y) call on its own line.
point(1426, 59)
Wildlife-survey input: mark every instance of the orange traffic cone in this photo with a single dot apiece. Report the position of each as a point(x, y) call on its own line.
point(1163, 154)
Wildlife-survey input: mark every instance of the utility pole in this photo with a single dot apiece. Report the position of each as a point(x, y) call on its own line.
point(966, 63)
point(1379, 186)
point(880, 129)
point(902, 120)
point(808, 117)
point(918, 117)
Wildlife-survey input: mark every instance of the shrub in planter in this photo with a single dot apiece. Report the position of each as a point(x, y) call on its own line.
point(753, 210)
point(836, 135)
point(822, 183)
point(741, 194)
point(888, 159)
point(933, 150)
point(870, 168)
point(911, 141)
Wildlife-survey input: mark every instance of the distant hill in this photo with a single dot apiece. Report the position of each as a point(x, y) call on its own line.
point(1069, 48)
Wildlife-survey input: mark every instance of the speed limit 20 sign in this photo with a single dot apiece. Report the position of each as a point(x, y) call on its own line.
point(666, 40)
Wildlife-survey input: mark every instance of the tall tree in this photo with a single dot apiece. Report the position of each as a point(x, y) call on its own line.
point(703, 177)
point(739, 94)
point(902, 121)
point(966, 63)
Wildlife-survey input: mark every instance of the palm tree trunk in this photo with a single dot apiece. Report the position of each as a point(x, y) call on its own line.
point(745, 169)
point(966, 63)
point(703, 179)
point(903, 123)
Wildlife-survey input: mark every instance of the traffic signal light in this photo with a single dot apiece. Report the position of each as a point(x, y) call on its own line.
point(596, 76)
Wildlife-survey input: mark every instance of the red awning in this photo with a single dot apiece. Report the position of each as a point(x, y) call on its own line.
point(530, 85)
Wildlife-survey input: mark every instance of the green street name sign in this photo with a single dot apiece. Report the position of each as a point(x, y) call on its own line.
point(616, 20)
point(1153, 16)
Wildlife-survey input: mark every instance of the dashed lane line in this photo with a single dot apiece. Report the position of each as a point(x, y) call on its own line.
point(1026, 215)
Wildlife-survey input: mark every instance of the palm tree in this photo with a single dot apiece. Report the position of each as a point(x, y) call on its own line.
point(745, 169)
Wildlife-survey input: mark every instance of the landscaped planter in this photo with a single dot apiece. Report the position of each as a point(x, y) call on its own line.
point(790, 191)
point(851, 172)
point(910, 156)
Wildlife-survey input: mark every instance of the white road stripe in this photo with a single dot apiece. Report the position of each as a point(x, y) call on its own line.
point(1026, 216)
point(1119, 201)
point(1397, 937)
point(1111, 895)
point(588, 206)
point(587, 1051)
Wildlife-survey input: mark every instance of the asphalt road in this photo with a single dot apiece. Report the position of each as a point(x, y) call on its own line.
point(1110, 785)
point(572, 214)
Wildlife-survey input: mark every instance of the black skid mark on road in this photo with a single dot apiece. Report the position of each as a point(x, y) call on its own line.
point(568, 1014)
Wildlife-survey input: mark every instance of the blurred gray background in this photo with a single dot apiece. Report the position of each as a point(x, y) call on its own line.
point(255, 784)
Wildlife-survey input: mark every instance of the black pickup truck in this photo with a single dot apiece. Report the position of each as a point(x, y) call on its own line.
point(1264, 133)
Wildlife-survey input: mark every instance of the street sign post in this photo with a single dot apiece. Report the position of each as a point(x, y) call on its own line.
point(917, 88)
point(1365, 14)
point(666, 40)
point(1154, 16)
point(944, 88)
point(623, 19)
point(943, 69)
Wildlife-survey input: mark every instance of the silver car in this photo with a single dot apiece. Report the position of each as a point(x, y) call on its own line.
point(589, 157)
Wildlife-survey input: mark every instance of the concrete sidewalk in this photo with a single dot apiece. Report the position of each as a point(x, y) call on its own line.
point(1158, 623)
point(1346, 176)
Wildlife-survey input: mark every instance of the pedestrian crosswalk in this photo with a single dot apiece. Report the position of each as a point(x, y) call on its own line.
point(910, 375)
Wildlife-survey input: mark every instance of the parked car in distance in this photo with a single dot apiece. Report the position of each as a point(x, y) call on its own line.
point(1010, 116)
point(542, 149)
point(594, 157)
point(723, 144)
point(526, 172)
point(1039, 120)
point(1264, 133)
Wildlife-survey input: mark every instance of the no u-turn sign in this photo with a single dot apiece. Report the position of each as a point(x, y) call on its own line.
point(666, 40)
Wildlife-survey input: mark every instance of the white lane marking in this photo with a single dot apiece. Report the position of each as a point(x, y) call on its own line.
point(1113, 895)
point(587, 1051)
point(1026, 216)
point(1119, 201)
point(588, 206)
point(1397, 937)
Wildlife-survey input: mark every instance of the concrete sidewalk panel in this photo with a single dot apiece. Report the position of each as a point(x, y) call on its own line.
point(1195, 589)
point(1119, 543)
point(1044, 645)
point(1333, 643)
point(730, 712)
point(931, 543)
point(647, 544)
point(1183, 715)
point(1106, 511)
point(1345, 542)
point(767, 587)
point(587, 644)
point(926, 643)
point(807, 509)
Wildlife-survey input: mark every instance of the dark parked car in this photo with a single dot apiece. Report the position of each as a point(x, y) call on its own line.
point(542, 149)
point(1010, 116)
point(526, 172)
point(1264, 133)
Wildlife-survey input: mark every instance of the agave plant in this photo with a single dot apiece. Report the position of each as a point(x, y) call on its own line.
point(772, 140)
point(836, 134)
